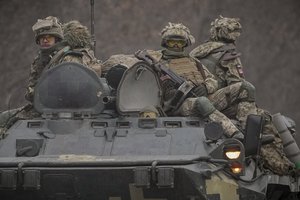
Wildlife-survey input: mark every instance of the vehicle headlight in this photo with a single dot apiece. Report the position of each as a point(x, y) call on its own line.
point(232, 152)
point(236, 167)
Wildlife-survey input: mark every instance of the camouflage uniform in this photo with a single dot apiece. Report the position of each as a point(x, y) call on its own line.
point(220, 56)
point(73, 46)
point(195, 73)
point(78, 38)
point(119, 59)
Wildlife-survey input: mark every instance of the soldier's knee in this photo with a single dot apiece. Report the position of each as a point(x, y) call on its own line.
point(204, 106)
point(249, 89)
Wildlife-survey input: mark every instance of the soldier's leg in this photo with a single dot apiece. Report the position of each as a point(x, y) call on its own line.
point(244, 109)
point(275, 160)
point(225, 97)
point(241, 94)
point(207, 110)
point(246, 105)
point(202, 107)
point(273, 154)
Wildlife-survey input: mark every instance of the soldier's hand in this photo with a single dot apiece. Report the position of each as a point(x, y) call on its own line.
point(200, 90)
point(168, 88)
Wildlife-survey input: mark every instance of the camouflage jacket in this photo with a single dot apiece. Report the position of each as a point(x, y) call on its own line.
point(222, 60)
point(42, 62)
point(186, 67)
point(118, 59)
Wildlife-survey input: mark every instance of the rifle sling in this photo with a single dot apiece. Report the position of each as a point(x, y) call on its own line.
point(200, 69)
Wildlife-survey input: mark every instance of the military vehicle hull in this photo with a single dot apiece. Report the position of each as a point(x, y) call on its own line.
point(77, 148)
point(94, 181)
point(121, 159)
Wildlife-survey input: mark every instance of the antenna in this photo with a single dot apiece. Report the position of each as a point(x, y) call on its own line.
point(93, 26)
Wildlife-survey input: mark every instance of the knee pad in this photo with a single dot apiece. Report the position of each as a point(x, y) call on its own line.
point(250, 89)
point(204, 106)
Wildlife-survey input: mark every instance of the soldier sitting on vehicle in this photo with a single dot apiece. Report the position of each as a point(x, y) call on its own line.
point(57, 43)
point(204, 103)
point(220, 56)
point(60, 43)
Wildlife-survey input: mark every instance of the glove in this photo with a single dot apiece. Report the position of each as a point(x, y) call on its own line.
point(168, 88)
point(200, 90)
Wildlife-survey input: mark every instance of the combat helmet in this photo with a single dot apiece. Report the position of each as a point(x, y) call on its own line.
point(173, 30)
point(77, 35)
point(48, 26)
point(227, 29)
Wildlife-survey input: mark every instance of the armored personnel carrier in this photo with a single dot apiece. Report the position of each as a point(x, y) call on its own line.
point(89, 142)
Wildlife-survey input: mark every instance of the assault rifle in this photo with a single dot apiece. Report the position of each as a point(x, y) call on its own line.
point(184, 88)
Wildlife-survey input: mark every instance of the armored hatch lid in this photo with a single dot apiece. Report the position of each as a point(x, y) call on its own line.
point(69, 87)
point(139, 88)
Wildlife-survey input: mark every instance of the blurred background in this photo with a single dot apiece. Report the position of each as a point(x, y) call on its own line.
point(270, 41)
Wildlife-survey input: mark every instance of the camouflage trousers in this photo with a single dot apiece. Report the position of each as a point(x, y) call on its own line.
point(273, 155)
point(231, 95)
point(275, 160)
point(189, 108)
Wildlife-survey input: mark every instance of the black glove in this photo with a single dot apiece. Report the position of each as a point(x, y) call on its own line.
point(200, 90)
point(168, 88)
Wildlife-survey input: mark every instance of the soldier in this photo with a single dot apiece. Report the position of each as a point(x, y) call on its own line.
point(221, 48)
point(78, 38)
point(220, 56)
point(60, 43)
point(175, 38)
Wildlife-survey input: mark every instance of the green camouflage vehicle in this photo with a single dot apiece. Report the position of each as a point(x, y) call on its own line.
point(91, 142)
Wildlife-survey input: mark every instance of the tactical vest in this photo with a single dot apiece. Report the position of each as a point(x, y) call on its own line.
point(221, 60)
point(187, 68)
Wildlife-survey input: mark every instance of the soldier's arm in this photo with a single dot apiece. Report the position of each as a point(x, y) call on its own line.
point(33, 76)
point(210, 81)
point(234, 71)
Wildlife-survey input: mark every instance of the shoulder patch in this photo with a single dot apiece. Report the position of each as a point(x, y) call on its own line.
point(204, 49)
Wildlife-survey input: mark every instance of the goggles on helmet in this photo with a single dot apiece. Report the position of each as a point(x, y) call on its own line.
point(176, 43)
